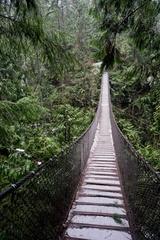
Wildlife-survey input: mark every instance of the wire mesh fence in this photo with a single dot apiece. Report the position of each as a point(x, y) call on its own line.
point(141, 187)
point(36, 206)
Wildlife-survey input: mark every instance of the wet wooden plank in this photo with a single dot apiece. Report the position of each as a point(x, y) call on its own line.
point(100, 220)
point(97, 234)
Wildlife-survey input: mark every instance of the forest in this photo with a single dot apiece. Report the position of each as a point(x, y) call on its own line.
point(130, 49)
point(49, 89)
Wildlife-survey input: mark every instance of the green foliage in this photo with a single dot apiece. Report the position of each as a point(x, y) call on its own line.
point(43, 129)
point(69, 120)
point(29, 109)
point(156, 124)
point(129, 43)
point(136, 98)
point(129, 130)
point(14, 167)
point(43, 147)
point(12, 115)
point(138, 18)
point(47, 87)
point(151, 154)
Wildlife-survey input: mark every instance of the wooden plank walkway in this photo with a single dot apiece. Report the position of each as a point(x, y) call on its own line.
point(98, 212)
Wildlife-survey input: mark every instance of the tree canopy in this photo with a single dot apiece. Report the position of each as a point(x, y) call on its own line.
point(129, 43)
point(47, 87)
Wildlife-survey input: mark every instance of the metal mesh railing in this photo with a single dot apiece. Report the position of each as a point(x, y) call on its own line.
point(35, 207)
point(141, 186)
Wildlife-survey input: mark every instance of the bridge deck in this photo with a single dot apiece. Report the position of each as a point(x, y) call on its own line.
point(98, 212)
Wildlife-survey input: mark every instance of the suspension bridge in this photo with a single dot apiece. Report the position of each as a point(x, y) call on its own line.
point(99, 197)
point(99, 189)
